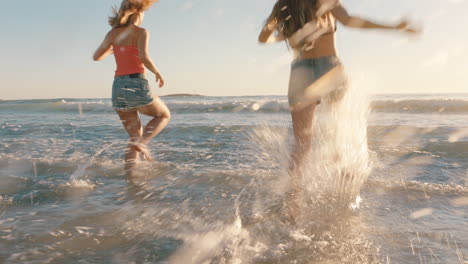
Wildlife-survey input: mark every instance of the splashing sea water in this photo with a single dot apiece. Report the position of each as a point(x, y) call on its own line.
point(217, 191)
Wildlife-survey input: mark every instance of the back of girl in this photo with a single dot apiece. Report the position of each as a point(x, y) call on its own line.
point(131, 94)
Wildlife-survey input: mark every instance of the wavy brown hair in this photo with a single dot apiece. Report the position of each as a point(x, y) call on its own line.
point(291, 15)
point(128, 11)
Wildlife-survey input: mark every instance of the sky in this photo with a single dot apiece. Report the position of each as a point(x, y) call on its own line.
point(210, 47)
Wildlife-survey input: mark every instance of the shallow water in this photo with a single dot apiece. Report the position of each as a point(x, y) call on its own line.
point(216, 192)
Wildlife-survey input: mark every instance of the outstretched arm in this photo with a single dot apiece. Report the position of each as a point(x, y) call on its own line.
point(340, 13)
point(142, 44)
point(267, 35)
point(104, 49)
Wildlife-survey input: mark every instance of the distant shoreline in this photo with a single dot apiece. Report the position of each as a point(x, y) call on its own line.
point(182, 95)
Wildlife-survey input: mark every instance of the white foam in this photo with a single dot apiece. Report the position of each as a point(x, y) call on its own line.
point(84, 184)
point(421, 213)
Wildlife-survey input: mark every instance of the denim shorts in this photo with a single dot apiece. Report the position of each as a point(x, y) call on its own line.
point(129, 93)
point(312, 79)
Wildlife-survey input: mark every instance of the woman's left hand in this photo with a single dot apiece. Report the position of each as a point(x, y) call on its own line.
point(404, 26)
point(160, 80)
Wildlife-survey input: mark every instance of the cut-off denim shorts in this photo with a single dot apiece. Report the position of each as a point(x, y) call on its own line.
point(130, 91)
point(312, 79)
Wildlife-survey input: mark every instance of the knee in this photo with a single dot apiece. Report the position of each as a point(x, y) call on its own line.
point(302, 134)
point(303, 141)
point(166, 115)
point(302, 146)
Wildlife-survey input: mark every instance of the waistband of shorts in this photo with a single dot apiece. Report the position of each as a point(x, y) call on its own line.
point(131, 76)
point(316, 60)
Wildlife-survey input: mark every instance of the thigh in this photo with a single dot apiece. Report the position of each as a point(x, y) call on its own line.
point(131, 122)
point(302, 120)
point(157, 108)
point(301, 77)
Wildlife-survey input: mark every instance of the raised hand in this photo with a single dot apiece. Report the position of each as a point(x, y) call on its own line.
point(404, 26)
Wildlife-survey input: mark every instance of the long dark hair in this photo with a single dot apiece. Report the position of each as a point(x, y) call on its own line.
point(291, 15)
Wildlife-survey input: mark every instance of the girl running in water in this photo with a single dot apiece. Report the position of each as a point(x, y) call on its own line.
point(308, 27)
point(131, 93)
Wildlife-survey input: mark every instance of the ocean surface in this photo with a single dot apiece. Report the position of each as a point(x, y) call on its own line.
point(386, 182)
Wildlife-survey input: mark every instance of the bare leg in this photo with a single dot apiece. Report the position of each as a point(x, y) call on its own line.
point(161, 116)
point(302, 125)
point(132, 123)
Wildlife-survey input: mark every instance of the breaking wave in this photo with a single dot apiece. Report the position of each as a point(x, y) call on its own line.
point(202, 104)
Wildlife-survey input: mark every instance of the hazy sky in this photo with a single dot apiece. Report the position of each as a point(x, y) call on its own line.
point(210, 47)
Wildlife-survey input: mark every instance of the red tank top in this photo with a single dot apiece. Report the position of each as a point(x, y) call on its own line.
point(127, 60)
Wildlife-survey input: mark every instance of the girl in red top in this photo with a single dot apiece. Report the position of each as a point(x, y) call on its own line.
point(131, 94)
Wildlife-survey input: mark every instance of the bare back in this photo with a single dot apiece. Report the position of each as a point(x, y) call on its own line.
point(125, 36)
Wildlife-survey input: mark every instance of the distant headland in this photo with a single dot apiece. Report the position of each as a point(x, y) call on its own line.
point(181, 95)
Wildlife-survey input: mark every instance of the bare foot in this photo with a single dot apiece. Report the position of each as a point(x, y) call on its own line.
point(143, 150)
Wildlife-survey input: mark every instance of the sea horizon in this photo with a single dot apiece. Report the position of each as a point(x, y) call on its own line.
point(257, 95)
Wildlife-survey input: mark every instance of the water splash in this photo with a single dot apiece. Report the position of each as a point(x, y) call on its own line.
point(254, 228)
point(80, 109)
point(35, 169)
point(80, 172)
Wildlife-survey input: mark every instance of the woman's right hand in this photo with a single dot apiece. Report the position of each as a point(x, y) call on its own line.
point(159, 79)
point(272, 25)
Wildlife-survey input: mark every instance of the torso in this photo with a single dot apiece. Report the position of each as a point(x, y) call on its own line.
point(124, 43)
point(325, 45)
